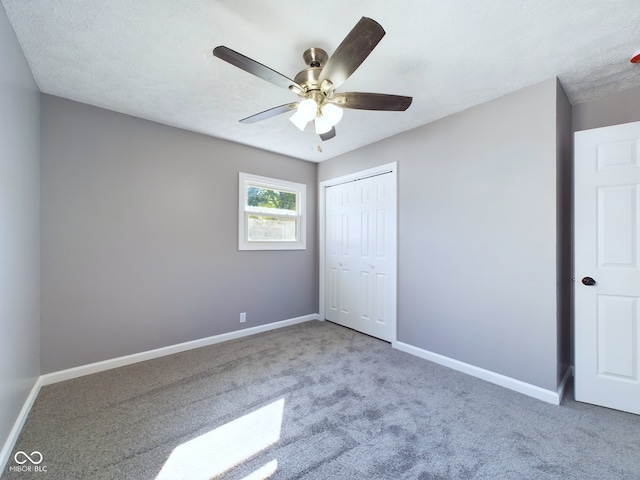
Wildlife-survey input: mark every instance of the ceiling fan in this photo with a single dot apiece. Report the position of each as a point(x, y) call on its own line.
point(316, 84)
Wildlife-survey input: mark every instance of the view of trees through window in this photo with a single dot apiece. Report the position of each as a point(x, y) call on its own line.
point(268, 198)
point(271, 214)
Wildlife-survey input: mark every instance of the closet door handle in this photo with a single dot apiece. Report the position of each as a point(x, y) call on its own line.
point(588, 281)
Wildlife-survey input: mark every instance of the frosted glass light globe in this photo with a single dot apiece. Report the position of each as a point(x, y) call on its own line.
point(298, 121)
point(308, 109)
point(322, 125)
point(332, 113)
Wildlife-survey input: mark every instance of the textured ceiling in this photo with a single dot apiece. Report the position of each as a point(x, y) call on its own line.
point(153, 59)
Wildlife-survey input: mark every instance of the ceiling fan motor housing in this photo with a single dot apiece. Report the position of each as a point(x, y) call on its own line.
point(308, 78)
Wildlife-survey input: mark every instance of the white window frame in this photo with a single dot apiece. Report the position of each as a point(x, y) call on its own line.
point(247, 180)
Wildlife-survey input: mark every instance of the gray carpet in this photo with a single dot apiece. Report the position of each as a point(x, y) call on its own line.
point(337, 404)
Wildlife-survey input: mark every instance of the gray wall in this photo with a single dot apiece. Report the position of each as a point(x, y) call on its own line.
point(478, 235)
point(623, 107)
point(139, 237)
point(19, 237)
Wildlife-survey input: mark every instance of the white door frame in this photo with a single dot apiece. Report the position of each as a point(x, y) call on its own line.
point(606, 337)
point(391, 168)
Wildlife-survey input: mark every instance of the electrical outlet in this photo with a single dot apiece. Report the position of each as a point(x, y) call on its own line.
point(243, 317)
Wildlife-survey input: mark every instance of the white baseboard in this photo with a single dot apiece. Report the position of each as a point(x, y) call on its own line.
point(50, 378)
point(534, 391)
point(83, 370)
point(17, 426)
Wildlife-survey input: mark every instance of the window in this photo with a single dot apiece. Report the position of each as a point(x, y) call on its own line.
point(272, 214)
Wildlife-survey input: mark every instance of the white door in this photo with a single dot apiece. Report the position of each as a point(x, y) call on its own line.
point(606, 266)
point(360, 259)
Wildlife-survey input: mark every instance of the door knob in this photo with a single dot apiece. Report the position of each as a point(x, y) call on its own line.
point(588, 281)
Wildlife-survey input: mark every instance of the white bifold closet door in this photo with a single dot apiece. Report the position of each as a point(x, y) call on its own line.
point(360, 255)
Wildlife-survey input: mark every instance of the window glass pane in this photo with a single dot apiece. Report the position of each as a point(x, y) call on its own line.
point(264, 228)
point(271, 198)
point(271, 214)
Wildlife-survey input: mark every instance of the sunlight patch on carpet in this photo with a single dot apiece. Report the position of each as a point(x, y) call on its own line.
point(229, 445)
point(264, 471)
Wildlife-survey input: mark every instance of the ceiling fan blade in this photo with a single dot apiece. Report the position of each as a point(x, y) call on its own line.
point(255, 68)
point(353, 50)
point(372, 101)
point(329, 135)
point(272, 112)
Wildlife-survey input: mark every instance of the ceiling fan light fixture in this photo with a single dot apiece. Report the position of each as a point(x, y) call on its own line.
point(299, 121)
point(332, 114)
point(322, 125)
point(308, 109)
point(305, 112)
